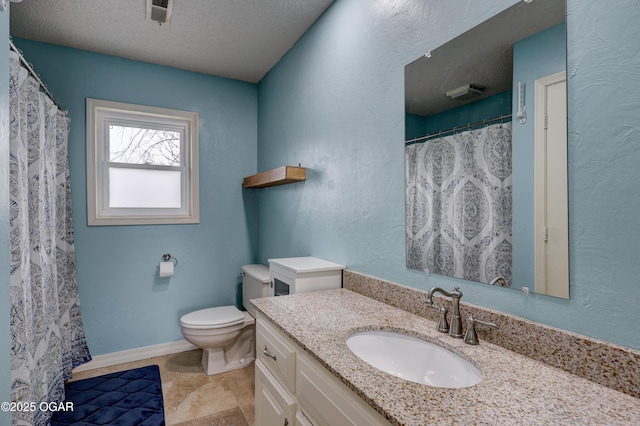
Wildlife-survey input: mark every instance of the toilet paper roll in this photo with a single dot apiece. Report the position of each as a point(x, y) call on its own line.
point(166, 269)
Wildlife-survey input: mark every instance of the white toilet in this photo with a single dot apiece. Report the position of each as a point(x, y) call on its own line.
point(225, 333)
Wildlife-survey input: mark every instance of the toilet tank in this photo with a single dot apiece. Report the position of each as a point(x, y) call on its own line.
point(255, 284)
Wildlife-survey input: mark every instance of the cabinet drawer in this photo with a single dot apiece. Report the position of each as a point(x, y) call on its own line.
point(302, 420)
point(274, 406)
point(325, 401)
point(275, 351)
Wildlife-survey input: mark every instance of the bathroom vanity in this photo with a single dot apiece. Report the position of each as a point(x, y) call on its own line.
point(306, 374)
point(290, 384)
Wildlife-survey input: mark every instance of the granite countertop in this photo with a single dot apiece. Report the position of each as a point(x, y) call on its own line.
point(515, 389)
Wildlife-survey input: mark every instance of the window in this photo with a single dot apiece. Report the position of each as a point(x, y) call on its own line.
point(142, 164)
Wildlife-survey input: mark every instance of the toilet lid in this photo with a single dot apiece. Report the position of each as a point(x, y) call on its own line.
point(222, 316)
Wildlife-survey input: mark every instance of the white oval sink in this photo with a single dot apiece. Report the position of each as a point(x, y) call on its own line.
point(413, 359)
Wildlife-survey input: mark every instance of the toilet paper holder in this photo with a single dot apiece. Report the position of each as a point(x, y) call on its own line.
point(167, 257)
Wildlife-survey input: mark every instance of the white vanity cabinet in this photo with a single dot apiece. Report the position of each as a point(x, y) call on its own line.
point(293, 388)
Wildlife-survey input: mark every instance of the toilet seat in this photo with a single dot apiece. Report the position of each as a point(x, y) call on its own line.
point(211, 318)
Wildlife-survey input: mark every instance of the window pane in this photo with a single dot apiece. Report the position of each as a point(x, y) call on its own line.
point(139, 188)
point(136, 145)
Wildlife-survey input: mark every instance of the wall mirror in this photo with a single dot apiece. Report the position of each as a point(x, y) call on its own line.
point(486, 156)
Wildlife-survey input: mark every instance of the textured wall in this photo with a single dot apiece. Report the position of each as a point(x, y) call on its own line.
point(335, 104)
point(124, 303)
point(5, 342)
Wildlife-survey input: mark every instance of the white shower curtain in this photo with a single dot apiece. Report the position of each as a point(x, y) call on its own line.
point(47, 338)
point(458, 212)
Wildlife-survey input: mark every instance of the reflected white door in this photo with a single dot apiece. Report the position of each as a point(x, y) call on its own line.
point(551, 187)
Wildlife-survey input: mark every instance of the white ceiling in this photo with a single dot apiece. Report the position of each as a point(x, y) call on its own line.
point(238, 39)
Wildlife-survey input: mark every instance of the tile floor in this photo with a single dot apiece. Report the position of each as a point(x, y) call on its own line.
point(191, 398)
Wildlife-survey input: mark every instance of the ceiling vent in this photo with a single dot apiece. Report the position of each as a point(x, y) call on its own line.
point(465, 92)
point(160, 11)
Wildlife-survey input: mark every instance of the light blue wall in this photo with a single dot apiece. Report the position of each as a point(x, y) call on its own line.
point(485, 109)
point(5, 341)
point(535, 57)
point(475, 112)
point(335, 104)
point(124, 304)
point(415, 126)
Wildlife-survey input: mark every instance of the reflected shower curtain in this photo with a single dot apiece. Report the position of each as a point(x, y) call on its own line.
point(458, 204)
point(47, 338)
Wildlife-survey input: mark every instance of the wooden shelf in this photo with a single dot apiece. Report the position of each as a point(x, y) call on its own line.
point(273, 177)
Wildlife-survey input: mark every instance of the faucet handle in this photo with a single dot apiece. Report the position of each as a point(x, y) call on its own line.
point(470, 335)
point(442, 326)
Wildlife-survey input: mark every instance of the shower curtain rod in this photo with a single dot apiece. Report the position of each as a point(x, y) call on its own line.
point(455, 129)
point(35, 75)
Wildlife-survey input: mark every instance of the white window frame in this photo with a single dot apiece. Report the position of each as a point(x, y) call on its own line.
point(100, 114)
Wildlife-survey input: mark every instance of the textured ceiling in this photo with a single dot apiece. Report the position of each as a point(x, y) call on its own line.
point(238, 39)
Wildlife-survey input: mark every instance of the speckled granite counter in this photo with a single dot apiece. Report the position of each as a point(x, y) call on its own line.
point(515, 389)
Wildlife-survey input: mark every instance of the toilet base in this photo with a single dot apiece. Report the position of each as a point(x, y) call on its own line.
point(240, 354)
point(213, 362)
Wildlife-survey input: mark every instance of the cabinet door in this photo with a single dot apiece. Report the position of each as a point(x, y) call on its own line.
point(326, 402)
point(274, 406)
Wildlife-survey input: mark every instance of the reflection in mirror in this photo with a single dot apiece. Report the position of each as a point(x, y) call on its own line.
point(485, 172)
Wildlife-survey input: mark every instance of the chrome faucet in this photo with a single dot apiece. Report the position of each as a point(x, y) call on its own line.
point(442, 326)
point(455, 329)
point(470, 336)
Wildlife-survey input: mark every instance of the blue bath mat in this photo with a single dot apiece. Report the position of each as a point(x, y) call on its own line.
point(126, 398)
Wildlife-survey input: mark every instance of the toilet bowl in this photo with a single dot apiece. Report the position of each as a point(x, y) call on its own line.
point(226, 334)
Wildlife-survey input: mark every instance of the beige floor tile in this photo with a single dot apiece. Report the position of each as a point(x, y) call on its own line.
point(242, 384)
point(197, 397)
point(111, 369)
point(232, 417)
point(193, 398)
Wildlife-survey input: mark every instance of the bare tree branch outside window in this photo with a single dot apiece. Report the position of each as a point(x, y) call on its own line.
point(134, 145)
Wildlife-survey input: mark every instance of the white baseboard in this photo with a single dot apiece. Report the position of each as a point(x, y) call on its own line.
point(137, 354)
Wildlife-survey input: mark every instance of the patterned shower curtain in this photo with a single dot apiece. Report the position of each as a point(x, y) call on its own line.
point(47, 338)
point(458, 212)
